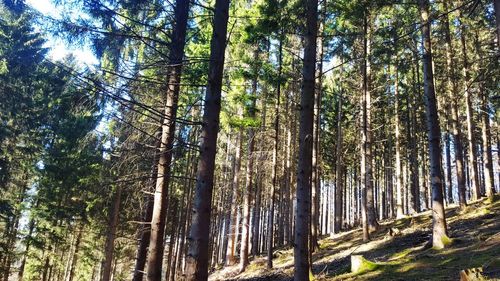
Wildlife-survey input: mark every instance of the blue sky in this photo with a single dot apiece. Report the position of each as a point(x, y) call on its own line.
point(58, 48)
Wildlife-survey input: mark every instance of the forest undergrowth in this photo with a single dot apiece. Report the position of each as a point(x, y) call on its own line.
point(399, 250)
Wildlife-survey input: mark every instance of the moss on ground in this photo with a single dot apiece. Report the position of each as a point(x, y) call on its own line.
point(475, 237)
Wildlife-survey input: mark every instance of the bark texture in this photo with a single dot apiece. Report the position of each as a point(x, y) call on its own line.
point(197, 257)
point(302, 266)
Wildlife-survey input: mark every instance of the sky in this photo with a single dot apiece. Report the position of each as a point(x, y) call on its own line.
point(58, 48)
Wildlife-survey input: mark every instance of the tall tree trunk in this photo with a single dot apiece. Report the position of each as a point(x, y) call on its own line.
point(233, 225)
point(476, 193)
point(366, 165)
point(288, 174)
point(158, 220)
point(274, 175)
point(399, 177)
point(31, 227)
point(245, 235)
point(145, 230)
point(315, 180)
point(74, 258)
point(257, 221)
point(489, 178)
point(439, 230)
point(302, 266)
point(110, 238)
point(145, 234)
point(449, 182)
point(337, 227)
point(413, 158)
point(197, 258)
point(452, 92)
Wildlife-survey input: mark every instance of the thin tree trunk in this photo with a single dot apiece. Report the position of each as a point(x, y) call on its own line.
point(399, 179)
point(302, 266)
point(145, 230)
point(439, 230)
point(231, 246)
point(476, 194)
point(366, 161)
point(74, 258)
point(288, 174)
point(256, 223)
point(275, 160)
point(489, 178)
point(245, 235)
point(452, 92)
point(197, 258)
point(110, 238)
point(338, 173)
point(31, 227)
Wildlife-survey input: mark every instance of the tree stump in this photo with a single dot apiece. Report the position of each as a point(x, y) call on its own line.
point(360, 264)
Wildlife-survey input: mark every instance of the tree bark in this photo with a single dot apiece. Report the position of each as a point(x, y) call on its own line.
point(74, 258)
point(489, 178)
point(245, 235)
point(110, 238)
point(452, 92)
point(145, 230)
point(302, 266)
point(270, 228)
point(337, 227)
point(315, 180)
point(197, 258)
point(399, 177)
point(233, 225)
point(158, 220)
point(366, 161)
point(439, 230)
point(476, 194)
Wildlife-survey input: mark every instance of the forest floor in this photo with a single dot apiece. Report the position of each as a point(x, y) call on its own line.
point(475, 234)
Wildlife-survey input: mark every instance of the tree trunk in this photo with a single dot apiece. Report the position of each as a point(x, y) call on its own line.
point(245, 236)
point(411, 136)
point(256, 222)
point(489, 178)
point(110, 238)
point(366, 161)
point(439, 230)
point(399, 178)
point(197, 258)
point(302, 266)
point(233, 225)
point(337, 227)
point(158, 221)
point(74, 258)
point(31, 227)
point(275, 161)
point(452, 92)
point(145, 230)
point(315, 180)
point(476, 194)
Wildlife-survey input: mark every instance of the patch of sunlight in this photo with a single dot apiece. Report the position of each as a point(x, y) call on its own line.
point(408, 266)
point(401, 254)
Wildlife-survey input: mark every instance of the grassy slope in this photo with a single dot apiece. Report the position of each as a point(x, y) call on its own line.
point(476, 242)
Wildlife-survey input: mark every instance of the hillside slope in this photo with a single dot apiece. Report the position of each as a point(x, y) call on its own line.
point(404, 256)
